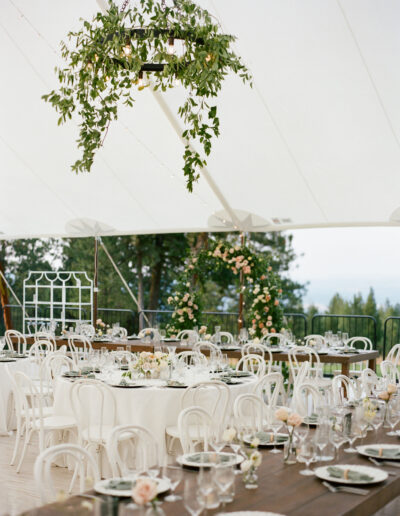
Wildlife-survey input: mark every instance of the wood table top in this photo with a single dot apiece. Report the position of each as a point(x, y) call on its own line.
point(281, 489)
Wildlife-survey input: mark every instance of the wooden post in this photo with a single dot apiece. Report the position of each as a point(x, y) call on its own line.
point(240, 318)
point(4, 301)
point(95, 288)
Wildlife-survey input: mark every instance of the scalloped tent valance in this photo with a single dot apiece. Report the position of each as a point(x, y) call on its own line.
point(315, 143)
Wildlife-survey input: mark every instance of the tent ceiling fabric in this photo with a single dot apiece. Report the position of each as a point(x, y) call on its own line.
point(314, 143)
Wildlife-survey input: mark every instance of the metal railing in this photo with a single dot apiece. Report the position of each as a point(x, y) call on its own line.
point(127, 318)
point(298, 324)
point(391, 334)
point(354, 325)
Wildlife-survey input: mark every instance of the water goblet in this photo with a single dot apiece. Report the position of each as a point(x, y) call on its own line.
point(275, 425)
point(352, 435)
point(224, 477)
point(306, 454)
point(193, 499)
point(174, 475)
point(206, 483)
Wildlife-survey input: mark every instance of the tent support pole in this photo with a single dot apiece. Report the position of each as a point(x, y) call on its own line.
point(95, 288)
point(123, 281)
point(4, 300)
point(241, 296)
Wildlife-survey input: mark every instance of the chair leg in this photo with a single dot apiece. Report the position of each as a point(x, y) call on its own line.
point(16, 445)
point(26, 442)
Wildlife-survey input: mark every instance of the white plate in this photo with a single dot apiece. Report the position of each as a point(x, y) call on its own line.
point(163, 484)
point(377, 474)
point(248, 438)
point(183, 459)
point(363, 450)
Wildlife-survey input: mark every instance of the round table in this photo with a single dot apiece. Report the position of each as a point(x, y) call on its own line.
point(25, 365)
point(154, 408)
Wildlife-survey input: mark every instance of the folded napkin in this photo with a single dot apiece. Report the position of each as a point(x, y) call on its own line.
point(207, 458)
point(121, 485)
point(348, 474)
point(267, 438)
point(123, 382)
point(175, 383)
point(313, 418)
point(387, 453)
point(72, 373)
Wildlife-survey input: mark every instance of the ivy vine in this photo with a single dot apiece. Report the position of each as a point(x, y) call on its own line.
point(105, 67)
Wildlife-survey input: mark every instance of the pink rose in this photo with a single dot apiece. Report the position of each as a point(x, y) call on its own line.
point(144, 491)
point(294, 420)
point(391, 388)
point(384, 396)
point(276, 303)
point(282, 414)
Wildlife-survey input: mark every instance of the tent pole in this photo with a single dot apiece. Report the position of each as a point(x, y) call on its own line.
point(95, 289)
point(4, 300)
point(240, 319)
point(123, 281)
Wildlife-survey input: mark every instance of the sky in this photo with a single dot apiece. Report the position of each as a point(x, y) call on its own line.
point(347, 260)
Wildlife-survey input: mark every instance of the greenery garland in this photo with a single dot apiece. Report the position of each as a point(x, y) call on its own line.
point(261, 288)
point(105, 62)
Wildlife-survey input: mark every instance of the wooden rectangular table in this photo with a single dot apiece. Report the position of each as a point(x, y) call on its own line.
point(333, 358)
point(281, 489)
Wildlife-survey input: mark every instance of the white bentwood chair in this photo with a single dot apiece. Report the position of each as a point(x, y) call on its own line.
point(390, 372)
point(394, 355)
point(42, 469)
point(250, 412)
point(21, 341)
point(271, 389)
point(306, 399)
point(195, 427)
point(344, 389)
point(188, 335)
point(44, 335)
point(191, 358)
point(369, 381)
point(143, 450)
point(33, 412)
point(252, 363)
point(207, 346)
point(95, 410)
point(212, 396)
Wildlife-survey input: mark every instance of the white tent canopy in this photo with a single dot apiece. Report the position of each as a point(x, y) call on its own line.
point(316, 142)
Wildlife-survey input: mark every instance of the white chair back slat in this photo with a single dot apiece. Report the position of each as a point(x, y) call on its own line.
point(394, 355)
point(252, 363)
point(390, 372)
point(306, 399)
point(271, 389)
point(191, 358)
point(195, 428)
point(249, 412)
point(143, 450)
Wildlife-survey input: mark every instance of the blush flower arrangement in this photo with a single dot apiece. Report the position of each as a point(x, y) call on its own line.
point(145, 492)
point(291, 420)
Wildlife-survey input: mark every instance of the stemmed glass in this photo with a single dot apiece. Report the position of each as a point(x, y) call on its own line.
point(275, 425)
point(337, 437)
point(306, 453)
point(217, 443)
point(224, 477)
point(206, 483)
point(302, 432)
point(394, 415)
point(193, 498)
point(322, 439)
point(353, 434)
point(174, 475)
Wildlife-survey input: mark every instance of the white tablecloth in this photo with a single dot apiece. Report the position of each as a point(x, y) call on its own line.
point(154, 408)
point(7, 422)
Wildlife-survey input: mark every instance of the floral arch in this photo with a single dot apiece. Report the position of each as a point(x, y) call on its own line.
point(255, 278)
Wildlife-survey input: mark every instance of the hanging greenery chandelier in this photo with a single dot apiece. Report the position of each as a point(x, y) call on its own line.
point(153, 44)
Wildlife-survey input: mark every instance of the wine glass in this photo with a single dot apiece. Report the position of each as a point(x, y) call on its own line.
point(322, 439)
point(174, 475)
point(353, 434)
point(302, 432)
point(193, 499)
point(337, 437)
point(306, 453)
point(275, 425)
point(394, 415)
point(206, 484)
point(224, 477)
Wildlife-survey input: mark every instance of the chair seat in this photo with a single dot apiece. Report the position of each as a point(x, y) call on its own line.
point(58, 422)
point(46, 411)
point(99, 434)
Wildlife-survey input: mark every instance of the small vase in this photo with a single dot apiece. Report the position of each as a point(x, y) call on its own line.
point(289, 451)
point(386, 415)
point(250, 479)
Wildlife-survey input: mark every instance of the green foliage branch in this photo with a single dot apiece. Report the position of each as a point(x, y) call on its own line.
point(104, 67)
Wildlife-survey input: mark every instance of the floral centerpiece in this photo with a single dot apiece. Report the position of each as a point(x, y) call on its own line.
point(101, 328)
point(146, 363)
point(291, 420)
point(250, 464)
point(186, 309)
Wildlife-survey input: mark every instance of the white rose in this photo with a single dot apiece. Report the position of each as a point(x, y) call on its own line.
point(229, 435)
point(255, 442)
point(255, 459)
point(245, 466)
